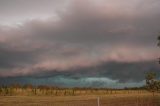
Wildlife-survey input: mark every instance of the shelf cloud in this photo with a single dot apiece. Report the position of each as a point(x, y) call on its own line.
point(78, 39)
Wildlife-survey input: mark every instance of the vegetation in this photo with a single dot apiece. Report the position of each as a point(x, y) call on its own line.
point(151, 83)
point(158, 40)
point(134, 99)
point(42, 95)
point(42, 90)
point(159, 45)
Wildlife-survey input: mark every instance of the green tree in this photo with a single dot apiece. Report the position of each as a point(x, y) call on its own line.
point(152, 84)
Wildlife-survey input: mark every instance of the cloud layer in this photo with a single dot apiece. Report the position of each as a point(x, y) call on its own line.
point(114, 40)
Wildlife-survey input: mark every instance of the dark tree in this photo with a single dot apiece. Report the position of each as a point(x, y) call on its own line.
point(158, 41)
point(158, 45)
point(150, 81)
point(150, 78)
point(152, 84)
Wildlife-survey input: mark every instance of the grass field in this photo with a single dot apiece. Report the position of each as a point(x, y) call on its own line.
point(130, 99)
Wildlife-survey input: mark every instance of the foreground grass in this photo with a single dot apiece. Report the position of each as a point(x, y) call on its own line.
point(134, 99)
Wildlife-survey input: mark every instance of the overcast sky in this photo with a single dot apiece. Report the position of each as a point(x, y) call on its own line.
point(86, 43)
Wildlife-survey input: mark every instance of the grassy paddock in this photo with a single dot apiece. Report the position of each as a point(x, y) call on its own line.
point(77, 97)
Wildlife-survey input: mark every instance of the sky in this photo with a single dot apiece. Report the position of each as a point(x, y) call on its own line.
point(78, 43)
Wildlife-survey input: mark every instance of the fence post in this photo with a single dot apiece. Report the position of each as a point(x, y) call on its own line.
point(98, 104)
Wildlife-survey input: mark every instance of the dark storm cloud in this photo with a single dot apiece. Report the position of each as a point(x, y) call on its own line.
point(108, 39)
point(110, 74)
point(10, 57)
point(119, 71)
point(83, 21)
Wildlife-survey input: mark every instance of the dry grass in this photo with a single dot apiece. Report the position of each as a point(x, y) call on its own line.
point(132, 99)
